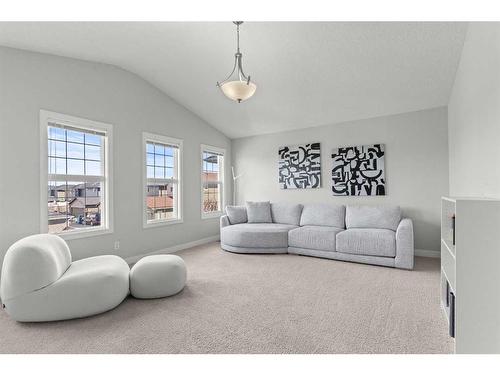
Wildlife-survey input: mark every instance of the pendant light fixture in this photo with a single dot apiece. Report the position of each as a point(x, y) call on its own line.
point(237, 86)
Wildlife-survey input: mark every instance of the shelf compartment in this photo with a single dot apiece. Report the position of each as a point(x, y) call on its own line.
point(448, 265)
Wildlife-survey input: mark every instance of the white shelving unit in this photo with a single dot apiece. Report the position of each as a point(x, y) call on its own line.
point(470, 272)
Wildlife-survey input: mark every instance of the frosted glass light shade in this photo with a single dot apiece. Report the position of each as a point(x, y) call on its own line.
point(238, 90)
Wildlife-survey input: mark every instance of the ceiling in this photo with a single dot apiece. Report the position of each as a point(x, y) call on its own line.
point(307, 73)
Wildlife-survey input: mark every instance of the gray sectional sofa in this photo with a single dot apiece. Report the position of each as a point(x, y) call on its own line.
point(365, 234)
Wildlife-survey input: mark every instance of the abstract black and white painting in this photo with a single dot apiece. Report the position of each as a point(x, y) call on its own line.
point(358, 170)
point(300, 166)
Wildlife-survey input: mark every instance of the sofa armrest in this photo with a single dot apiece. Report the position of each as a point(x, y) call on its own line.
point(404, 245)
point(224, 221)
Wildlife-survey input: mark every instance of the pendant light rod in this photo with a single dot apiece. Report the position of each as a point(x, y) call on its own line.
point(238, 23)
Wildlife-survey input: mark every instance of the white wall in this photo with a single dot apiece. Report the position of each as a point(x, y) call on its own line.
point(32, 81)
point(416, 165)
point(474, 115)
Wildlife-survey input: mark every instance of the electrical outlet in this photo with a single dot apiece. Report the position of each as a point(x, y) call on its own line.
point(117, 245)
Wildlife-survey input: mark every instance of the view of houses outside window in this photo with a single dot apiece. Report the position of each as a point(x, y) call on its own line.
point(75, 178)
point(162, 182)
point(212, 180)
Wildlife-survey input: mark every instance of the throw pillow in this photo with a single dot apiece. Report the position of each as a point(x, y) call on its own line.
point(236, 214)
point(259, 212)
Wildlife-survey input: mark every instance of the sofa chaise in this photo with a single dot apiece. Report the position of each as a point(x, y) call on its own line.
point(365, 234)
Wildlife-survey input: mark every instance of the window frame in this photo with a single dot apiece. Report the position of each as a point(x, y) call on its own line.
point(218, 150)
point(151, 137)
point(106, 227)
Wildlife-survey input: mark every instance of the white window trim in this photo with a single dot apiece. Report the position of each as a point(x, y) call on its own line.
point(45, 118)
point(216, 214)
point(167, 140)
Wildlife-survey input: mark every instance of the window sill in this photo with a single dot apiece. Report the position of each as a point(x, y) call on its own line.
point(211, 215)
point(161, 223)
point(84, 233)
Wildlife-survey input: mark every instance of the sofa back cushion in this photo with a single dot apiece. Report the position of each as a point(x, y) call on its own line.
point(32, 263)
point(377, 217)
point(259, 212)
point(328, 215)
point(286, 213)
point(236, 214)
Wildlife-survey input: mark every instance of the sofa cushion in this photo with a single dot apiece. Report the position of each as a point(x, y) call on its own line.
point(256, 235)
point(378, 242)
point(259, 212)
point(381, 217)
point(236, 214)
point(321, 214)
point(286, 213)
point(313, 237)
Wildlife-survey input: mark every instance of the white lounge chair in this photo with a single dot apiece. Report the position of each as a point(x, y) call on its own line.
point(40, 283)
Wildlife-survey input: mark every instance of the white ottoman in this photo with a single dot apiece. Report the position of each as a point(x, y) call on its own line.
point(157, 276)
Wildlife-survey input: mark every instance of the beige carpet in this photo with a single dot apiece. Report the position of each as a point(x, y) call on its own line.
point(260, 304)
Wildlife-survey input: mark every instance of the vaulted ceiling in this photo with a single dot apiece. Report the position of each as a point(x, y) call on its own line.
point(307, 74)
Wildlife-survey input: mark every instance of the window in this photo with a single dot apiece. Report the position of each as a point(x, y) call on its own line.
point(75, 178)
point(212, 181)
point(162, 180)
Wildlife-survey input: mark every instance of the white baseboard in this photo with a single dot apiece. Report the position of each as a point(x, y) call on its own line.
point(174, 249)
point(427, 253)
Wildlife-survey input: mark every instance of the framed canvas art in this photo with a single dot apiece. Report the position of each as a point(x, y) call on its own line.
point(299, 166)
point(359, 170)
